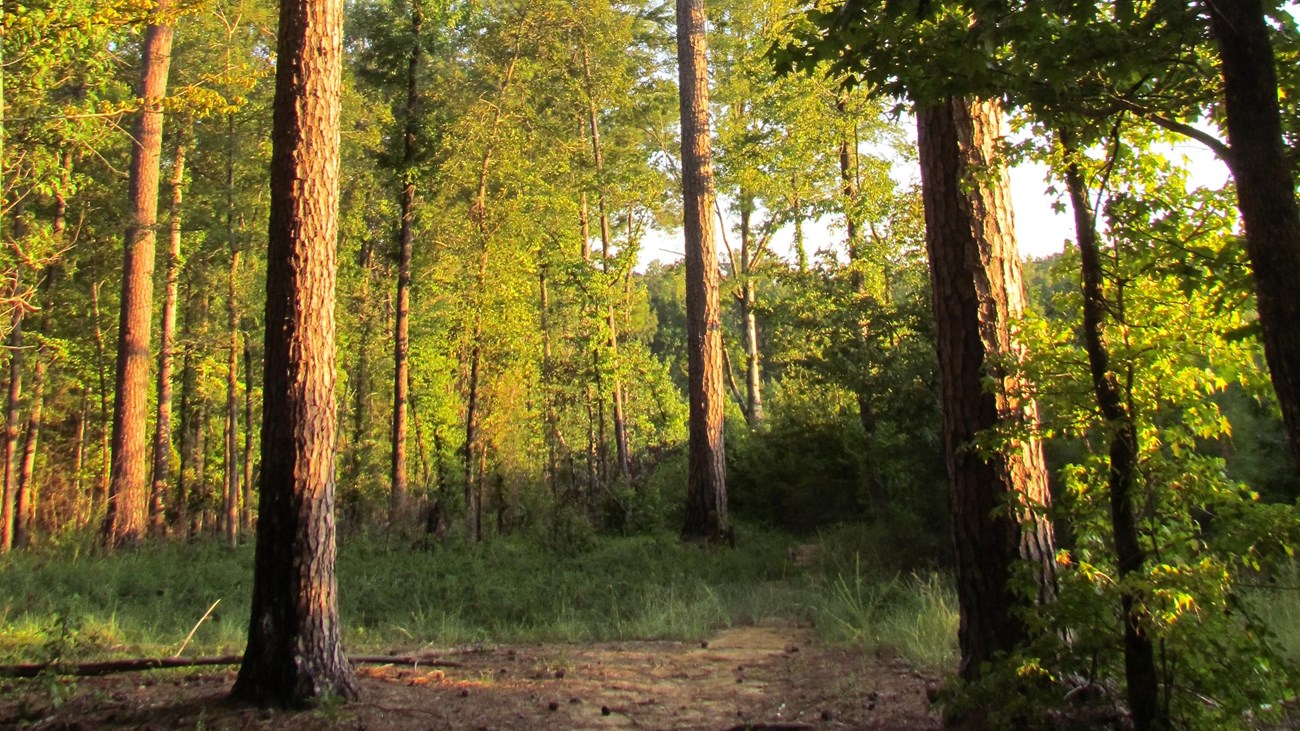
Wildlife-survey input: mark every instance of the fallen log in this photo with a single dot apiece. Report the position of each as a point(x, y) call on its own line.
point(132, 665)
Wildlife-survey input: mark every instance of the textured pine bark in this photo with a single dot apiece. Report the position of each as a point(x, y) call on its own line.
point(126, 514)
point(1265, 192)
point(706, 490)
point(978, 294)
point(295, 653)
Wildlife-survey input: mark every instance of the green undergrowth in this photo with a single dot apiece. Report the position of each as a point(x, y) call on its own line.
point(65, 604)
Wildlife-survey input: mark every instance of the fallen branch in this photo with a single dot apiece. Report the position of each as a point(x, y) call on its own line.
point(109, 667)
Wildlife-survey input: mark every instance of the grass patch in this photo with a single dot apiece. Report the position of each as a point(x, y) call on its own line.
point(67, 604)
point(914, 616)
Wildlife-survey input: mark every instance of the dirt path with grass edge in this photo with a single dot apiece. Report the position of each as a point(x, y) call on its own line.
point(768, 676)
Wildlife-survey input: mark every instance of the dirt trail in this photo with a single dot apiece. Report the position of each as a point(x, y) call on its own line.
point(758, 677)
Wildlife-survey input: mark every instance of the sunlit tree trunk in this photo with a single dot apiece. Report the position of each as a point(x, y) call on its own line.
point(126, 512)
point(162, 442)
point(748, 300)
point(706, 491)
point(295, 652)
point(15, 391)
point(996, 500)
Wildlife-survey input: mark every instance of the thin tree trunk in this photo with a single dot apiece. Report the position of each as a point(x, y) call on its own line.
point(1265, 191)
point(188, 431)
point(359, 378)
point(246, 511)
point(101, 488)
point(996, 500)
point(598, 157)
point(230, 444)
point(200, 493)
point(162, 442)
point(79, 462)
point(295, 652)
point(1140, 674)
point(748, 299)
point(406, 244)
point(125, 519)
point(15, 391)
point(231, 494)
point(25, 499)
point(706, 492)
point(550, 435)
point(478, 217)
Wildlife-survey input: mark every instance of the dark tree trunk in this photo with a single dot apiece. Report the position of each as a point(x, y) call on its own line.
point(126, 515)
point(162, 441)
point(1140, 672)
point(406, 243)
point(706, 490)
point(295, 652)
point(1265, 192)
point(996, 500)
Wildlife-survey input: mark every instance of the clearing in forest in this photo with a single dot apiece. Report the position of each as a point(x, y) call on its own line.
point(771, 676)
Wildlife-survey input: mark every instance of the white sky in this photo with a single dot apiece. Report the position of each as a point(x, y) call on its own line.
point(1040, 230)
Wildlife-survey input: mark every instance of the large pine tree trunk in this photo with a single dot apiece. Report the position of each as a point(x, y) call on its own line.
point(1265, 192)
point(706, 491)
point(1140, 674)
point(406, 244)
point(127, 509)
point(295, 652)
point(996, 500)
point(162, 440)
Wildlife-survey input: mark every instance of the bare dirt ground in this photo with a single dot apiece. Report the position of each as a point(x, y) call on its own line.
point(766, 677)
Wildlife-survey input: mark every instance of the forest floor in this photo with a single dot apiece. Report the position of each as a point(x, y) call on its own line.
point(772, 676)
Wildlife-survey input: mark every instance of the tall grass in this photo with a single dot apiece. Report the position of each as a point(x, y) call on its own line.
point(146, 600)
point(913, 616)
point(68, 604)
